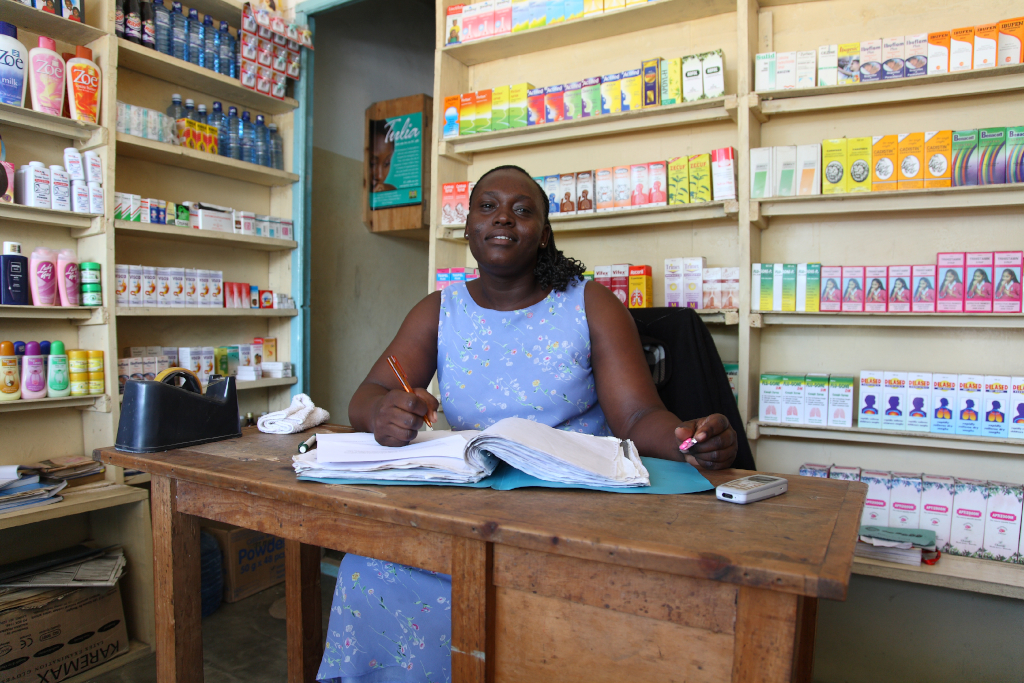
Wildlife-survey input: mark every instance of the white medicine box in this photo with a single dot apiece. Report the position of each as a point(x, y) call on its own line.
point(876, 504)
point(905, 500)
point(937, 506)
point(1002, 522)
point(970, 503)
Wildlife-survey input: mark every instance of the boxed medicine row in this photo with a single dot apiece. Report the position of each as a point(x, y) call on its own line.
point(248, 361)
point(465, 23)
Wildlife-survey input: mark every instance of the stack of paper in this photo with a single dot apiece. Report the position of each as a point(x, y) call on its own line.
point(76, 469)
point(28, 490)
point(93, 572)
point(894, 544)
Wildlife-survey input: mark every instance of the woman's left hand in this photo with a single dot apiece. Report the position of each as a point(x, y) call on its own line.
point(716, 442)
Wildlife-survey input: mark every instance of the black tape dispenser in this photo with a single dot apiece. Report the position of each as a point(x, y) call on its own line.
point(159, 416)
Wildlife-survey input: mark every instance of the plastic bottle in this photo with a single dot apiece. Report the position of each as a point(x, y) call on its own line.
point(232, 123)
point(93, 167)
point(67, 277)
point(179, 32)
point(36, 191)
point(148, 24)
point(259, 141)
point(78, 371)
point(44, 348)
point(46, 77)
point(162, 26)
point(42, 276)
point(276, 148)
point(119, 18)
point(33, 372)
point(196, 38)
point(92, 295)
point(60, 189)
point(13, 66)
point(226, 49)
point(10, 375)
point(79, 196)
point(201, 116)
point(245, 138)
point(14, 290)
point(133, 21)
point(73, 163)
point(176, 110)
point(58, 380)
point(219, 119)
point(211, 45)
point(190, 110)
point(96, 199)
point(83, 86)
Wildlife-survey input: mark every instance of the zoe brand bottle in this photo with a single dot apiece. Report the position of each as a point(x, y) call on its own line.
point(46, 77)
point(83, 86)
point(33, 372)
point(14, 290)
point(13, 62)
point(119, 18)
point(10, 382)
point(42, 266)
point(58, 380)
point(60, 189)
point(67, 277)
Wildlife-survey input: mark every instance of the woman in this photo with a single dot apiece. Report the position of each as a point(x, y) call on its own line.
point(528, 338)
point(981, 285)
point(925, 292)
point(952, 288)
point(831, 291)
point(876, 293)
point(1009, 286)
point(854, 292)
point(900, 292)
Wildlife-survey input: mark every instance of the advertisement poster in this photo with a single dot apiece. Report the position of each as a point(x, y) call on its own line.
point(396, 161)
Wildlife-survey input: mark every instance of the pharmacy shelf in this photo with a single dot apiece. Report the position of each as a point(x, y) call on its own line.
point(672, 116)
point(727, 316)
point(183, 157)
point(151, 312)
point(187, 75)
point(953, 442)
point(136, 650)
point(99, 402)
point(27, 119)
point(47, 217)
point(221, 10)
point(954, 320)
point(77, 499)
point(176, 233)
point(26, 18)
point(265, 383)
point(951, 571)
point(636, 18)
point(994, 81)
point(47, 312)
point(905, 201)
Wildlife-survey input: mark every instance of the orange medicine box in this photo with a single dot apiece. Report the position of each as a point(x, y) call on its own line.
point(451, 116)
point(621, 187)
point(986, 39)
point(938, 53)
point(1011, 41)
point(884, 153)
point(604, 189)
point(641, 287)
point(961, 49)
point(938, 157)
point(910, 172)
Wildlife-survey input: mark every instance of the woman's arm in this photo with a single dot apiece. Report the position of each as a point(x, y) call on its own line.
point(380, 405)
point(629, 399)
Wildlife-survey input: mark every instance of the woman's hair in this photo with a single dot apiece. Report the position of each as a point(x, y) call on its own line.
point(1013, 276)
point(554, 269)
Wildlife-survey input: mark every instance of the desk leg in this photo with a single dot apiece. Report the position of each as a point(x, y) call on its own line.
point(473, 606)
point(803, 654)
point(766, 633)
point(176, 582)
point(304, 613)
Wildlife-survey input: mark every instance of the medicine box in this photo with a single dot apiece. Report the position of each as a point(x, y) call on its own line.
point(961, 49)
point(808, 287)
point(937, 507)
point(828, 62)
point(673, 282)
point(700, 178)
point(950, 277)
point(767, 293)
point(693, 78)
point(1015, 154)
point(551, 187)
point(970, 403)
point(806, 68)
point(870, 61)
point(970, 503)
point(1011, 41)
point(965, 158)
point(784, 176)
point(631, 88)
point(792, 399)
point(611, 94)
point(499, 108)
point(693, 281)
point(894, 396)
point(916, 48)
point(869, 414)
point(518, 98)
point(603, 276)
point(853, 289)
point(764, 71)
point(713, 67)
point(567, 194)
point(1015, 411)
point(848, 63)
point(467, 109)
point(788, 298)
point(919, 401)
point(770, 398)
point(657, 180)
point(585, 202)
point(451, 116)
point(1002, 522)
point(761, 174)
point(938, 53)
point(979, 294)
point(938, 158)
point(924, 289)
point(671, 81)
point(622, 189)
point(808, 163)
point(893, 58)
point(555, 12)
point(640, 194)
point(992, 156)
point(810, 469)
point(641, 287)
point(815, 410)
point(840, 401)
point(910, 155)
point(945, 388)
point(876, 504)
point(858, 159)
point(844, 473)
point(1006, 276)
point(778, 282)
point(905, 500)
point(900, 279)
point(996, 416)
point(605, 189)
point(591, 96)
point(593, 7)
point(876, 290)
point(572, 99)
point(535, 107)
point(620, 281)
point(502, 17)
point(831, 299)
point(724, 172)
point(833, 159)
point(730, 287)
point(554, 104)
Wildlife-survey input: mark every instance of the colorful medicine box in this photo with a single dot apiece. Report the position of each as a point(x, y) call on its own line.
point(651, 75)
point(937, 506)
point(884, 154)
point(467, 112)
point(1007, 281)
point(910, 171)
point(792, 399)
point(604, 181)
point(848, 64)
point(770, 398)
point(965, 158)
point(961, 49)
point(924, 289)
point(641, 287)
point(894, 58)
point(572, 99)
point(986, 39)
point(671, 76)
point(451, 116)
point(631, 89)
point(831, 299)
point(499, 108)
point(916, 47)
point(853, 289)
point(950, 276)
point(944, 402)
point(808, 287)
point(869, 414)
point(905, 500)
point(876, 290)
point(876, 504)
point(700, 178)
point(554, 104)
point(894, 395)
point(991, 156)
point(518, 105)
point(970, 397)
point(1015, 154)
point(1011, 41)
point(1002, 521)
point(938, 158)
point(834, 166)
point(840, 401)
point(482, 111)
point(535, 107)
point(871, 61)
point(919, 401)
point(938, 53)
point(979, 293)
point(591, 96)
point(623, 190)
point(815, 410)
point(858, 159)
point(657, 180)
point(1016, 408)
point(967, 530)
point(611, 93)
point(693, 78)
point(678, 181)
point(996, 416)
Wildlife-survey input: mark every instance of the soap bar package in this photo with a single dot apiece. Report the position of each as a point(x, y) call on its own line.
point(876, 504)
point(905, 501)
point(869, 415)
point(1002, 522)
point(937, 507)
point(970, 503)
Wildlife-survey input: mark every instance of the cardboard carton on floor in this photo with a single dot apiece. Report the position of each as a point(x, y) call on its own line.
point(253, 561)
point(64, 637)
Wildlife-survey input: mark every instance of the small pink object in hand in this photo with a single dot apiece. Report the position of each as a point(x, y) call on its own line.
point(686, 445)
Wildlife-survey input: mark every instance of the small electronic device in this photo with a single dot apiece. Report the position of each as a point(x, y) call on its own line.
point(752, 489)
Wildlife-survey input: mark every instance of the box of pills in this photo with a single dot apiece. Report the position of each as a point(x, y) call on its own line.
point(938, 158)
point(585, 192)
point(810, 469)
point(641, 287)
point(831, 299)
point(840, 401)
point(858, 159)
point(970, 402)
point(713, 67)
point(869, 415)
point(700, 178)
point(623, 191)
point(848, 63)
point(535, 107)
point(997, 406)
point(876, 504)
point(792, 399)
point(730, 287)
point(620, 281)
point(1016, 408)
point(611, 94)
point(937, 507)
point(967, 529)
point(651, 75)
point(1002, 522)
point(640, 194)
point(900, 278)
point(961, 49)
point(671, 76)
point(711, 289)
point(499, 108)
point(828, 63)
point(965, 157)
point(657, 178)
point(632, 90)
point(590, 94)
point(518, 105)
point(893, 58)
point(1007, 276)
point(979, 295)
point(764, 71)
point(770, 398)
point(844, 473)
point(905, 500)
point(894, 395)
point(950, 275)
point(917, 55)
point(808, 163)
point(761, 173)
point(938, 53)
point(674, 282)
point(806, 68)
point(991, 156)
point(1015, 154)
point(693, 78)
point(567, 194)
point(605, 189)
point(815, 411)
point(853, 289)
point(467, 112)
point(693, 281)
point(554, 104)
point(1010, 41)
point(833, 159)
point(924, 289)
point(870, 61)
point(724, 173)
point(808, 287)
point(944, 403)
point(986, 39)
point(876, 290)
point(910, 171)
point(784, 176)
point(572, 100)
point(919, 401)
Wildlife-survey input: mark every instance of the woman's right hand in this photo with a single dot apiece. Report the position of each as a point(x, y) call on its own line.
point(399, 416)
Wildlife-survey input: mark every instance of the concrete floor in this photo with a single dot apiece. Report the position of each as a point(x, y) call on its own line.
point(242, 642)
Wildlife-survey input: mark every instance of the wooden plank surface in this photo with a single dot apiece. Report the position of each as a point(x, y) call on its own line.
point(796, 543)
point(766, 627)
point(473, 610)
point(304, 611)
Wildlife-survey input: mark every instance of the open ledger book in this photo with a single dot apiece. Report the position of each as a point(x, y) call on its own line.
point(470, 456)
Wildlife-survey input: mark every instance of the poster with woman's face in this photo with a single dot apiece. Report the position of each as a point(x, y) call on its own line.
point(396, 161)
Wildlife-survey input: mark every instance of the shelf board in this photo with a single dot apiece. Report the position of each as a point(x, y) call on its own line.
point(27, 119)
point(702, 111)
point(939, 199)
point(77, 499)
point(952, 571)
point(265, 383)
point(955, 442)
point(994, 81)
point(957, 320)
point(150, 312)
point(41, 23)
point(183, 157)
point(727, 316)
point(48, 217)
point(136, 650)
point(617, 23)
point(179, 72)
point(43, 403)
point(221, 10)
point(176, 233)
point(48, 312)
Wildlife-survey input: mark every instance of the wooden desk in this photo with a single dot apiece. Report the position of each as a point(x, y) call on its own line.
point(547, 584)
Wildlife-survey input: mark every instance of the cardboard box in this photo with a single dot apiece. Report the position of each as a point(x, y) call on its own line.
point(950, 282)
point(1015, 154)
point(815, 410)
point(622, 189)
point(996, 416)
point(551, 185)
point(605, 189)
point(970, 401)
point(916, 63)
point(700, 178)
point(900, 293)
point(730, 288)
point(970, 503)
point(944, 401)
point(651, 75)
point(770, 398)
point(810, 469)
point(924, 289)
point(919, 401)
point(844, 473)
point(806, 68)
point(253, 561)
point(876, 289)
point(536, 109)
point(499, 108)
point(965, 157)
point(765, 67)
point(833, 160)
point(591, 96)
point(937, 506)
point(840, 401)
point(671, 81)
point(992, 156)
point(978, 281)
point(808, 163)
point(1011, 41)
point(876, 504)
point(713, 68)
point(518, 98)
point(792, 399)
point(674, 282)
point(808, 287)
point(693, 79)
point(724, 172)
point(961, 49)
point(938, 53)
point(451, 116)
point(572, 101)
point(784, 175)
point(1006, 278)
point(1002, 522)
point(831, 299)
point(585, 192)
point(482, 111)
point(762, 176)
point(603, 276)
point(641, 287)
point(853, 289)
point(467, 112)
point(657, 179)
point(986, 39)
point(632, 90)
point(910, 170)
point(1016, 411)
point(869, 414)
point(848, 64)
point(639, 195)
point(828, 65)
point(894, 57)
point(938, 158)
point(693, 281)
point(567, 194)
point(554, 103)
point(894, 396)
point(858, 160)
point(611, 94)
point(871, 61)
point(905, 500)
point(620, 281)
point(679, 181)
point(711, 289)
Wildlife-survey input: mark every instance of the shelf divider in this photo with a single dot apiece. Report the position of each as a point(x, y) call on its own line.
point(952, 571)
point(27, 18)
point(177, 233)
point(900, 201)
point(994, 321)
point(152, 312)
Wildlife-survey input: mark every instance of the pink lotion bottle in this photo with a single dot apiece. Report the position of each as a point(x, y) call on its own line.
point(67, 277)
point(46, 77)
point(33, 372)
point(42, 280)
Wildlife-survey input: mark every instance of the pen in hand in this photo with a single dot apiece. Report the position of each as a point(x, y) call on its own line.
point(397, 367)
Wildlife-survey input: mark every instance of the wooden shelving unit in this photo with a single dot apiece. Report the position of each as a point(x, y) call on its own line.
point(176, 233)
point(99, 402)
point(27, 18)
point(150, 312)
point(77, 500)
point(964, 320)
point(48, 312)
point(46, 217)
point(959, 573)
point(27, 119)
point(904, 202)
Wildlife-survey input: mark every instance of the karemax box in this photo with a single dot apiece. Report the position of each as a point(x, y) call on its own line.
point(674, 282)
point(671, 81)
point(499, 108)
point(1015, 154)
point(723, 173)
point(535, 107)
point(840, 401)
point(828, 63)
point(965, 157)
point(611, 94)
point(910, 171)
point(1007, 280)
point(620, 179)
point(833, 159)
point(678, 180)
point(783, 166)
point(905, 500)
point(591, 96)
point(853, 289)
point(1016, 408)
point(518, 97)
point(844, 473)
point(808, 287)
point(585, 201)
point(693, 79)
point(961, 49)
point(641, 287)
point(620, 281)
point(996, 416)
point(806, 68)
point(831, 299)
point(919, 400)
point(792, 399)
point(770, 398)
point(1011, 41)
point(1002, 521)
point(869, 415)
point(876, 504)
point(567, 194)
point(870, 61)
point(651, 76)
point(924, 289)
point(730, 287)
point(938, 53)
point(572, 100)
point(693, 281)
point(858, 159)
point(554, 104)
point(938, 158)
point(950, 278)
point(848, 63)
point(713, 67)
point(467, 112)
point(700, 178)
point(967, 529)
point(657, 180)
point(945, 388)
point(893, 58)
point(764, 71)
point(451, 116)
point(978, 297)
point(970, 397)
point(894, 396)
point(815, 411)
point(991, 156)
point(986, 38)
point(937, 506)
point(808, 164)
point(605, 189)
point(810, 469)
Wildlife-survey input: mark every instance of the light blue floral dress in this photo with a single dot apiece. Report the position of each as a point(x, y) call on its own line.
point(392, 623)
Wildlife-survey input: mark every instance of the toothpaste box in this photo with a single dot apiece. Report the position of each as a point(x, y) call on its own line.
point(937, 506)
point(808, 287)
point(671, 76)
point(894, 413)
point(970, 400)
point(678, 181)
point(853, 289)
point(831, 299)
point(785, 70)
point(900, 279)
point(554, 104)
point(876, 290)
point(970, 503)
point(938, 53)
point(1002, 522)
point(997, 414)
point(944, 403)
point(833, 159)
point(991, 156)
point(770, 398)
point(572, 100)
point(910, 171)
point(623, 194)
point(870, 61)
point(1007, 281)
point(876, 504)
point(535, 107)
point(611, 94)
point(631, 89)
point(828, 63)
point(792, 399)
point(844, 473)
point(651, 76)
point(965, 158)
point(905, 500)
point(585, 192)
point(848, 63)
point(1015, 411)
point(938, 158)
point(815, 410)
point(840, 401)
point(979, 293)
point(518, 105)
point(604, 184)
point(894, 58)
point(869, 416)
point(917, 55)
point(693, 78)
point(919, 401)
point(924, 289)
point(950, 276)
point(808, 164)
point(961, 49)
point(806, 68)
point(591, 96)
point(810, 469)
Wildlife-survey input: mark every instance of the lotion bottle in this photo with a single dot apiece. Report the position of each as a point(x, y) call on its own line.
point(33, 372)
point(14, 290)
point(13, 66)
point(73, 163)
point(58, 380)
point(42, 276)
point(10, 383)
point(67, 277)
point(83, 86)
point(46, 77)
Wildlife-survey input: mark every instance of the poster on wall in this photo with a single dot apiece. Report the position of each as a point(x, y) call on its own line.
point(396, 161)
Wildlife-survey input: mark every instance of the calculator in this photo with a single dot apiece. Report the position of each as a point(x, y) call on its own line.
point(752, 489)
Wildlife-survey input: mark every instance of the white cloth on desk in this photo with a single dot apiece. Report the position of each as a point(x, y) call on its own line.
point(299, 416)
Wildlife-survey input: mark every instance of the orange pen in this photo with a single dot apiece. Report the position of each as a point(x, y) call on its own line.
point(397, 367)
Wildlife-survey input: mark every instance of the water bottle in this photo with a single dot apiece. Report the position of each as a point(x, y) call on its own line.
point(163, 27)
point(259, 142)
point(179, 32)
point(211, 45)
point(226, 49)
point(245, 138)
point(176, 111)
point(232, 123)
point(217, 118)
point(236, 71)
point(196, 38)
point(201, 116)
point(190, 110)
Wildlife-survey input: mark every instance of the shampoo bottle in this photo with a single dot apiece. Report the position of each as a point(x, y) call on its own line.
point(58, 381)
point(42, 276)
point(15, 276)
point(10, 384)
point(67, 277)
point(83, 86)
point(33, 372)
point(46, 77)
point(12, 67)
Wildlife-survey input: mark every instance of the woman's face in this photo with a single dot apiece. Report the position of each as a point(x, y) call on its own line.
point(506, 224)
point(1007, 277)
point(978, 277)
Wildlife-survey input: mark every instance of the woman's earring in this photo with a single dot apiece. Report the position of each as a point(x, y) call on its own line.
point(465, 235)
